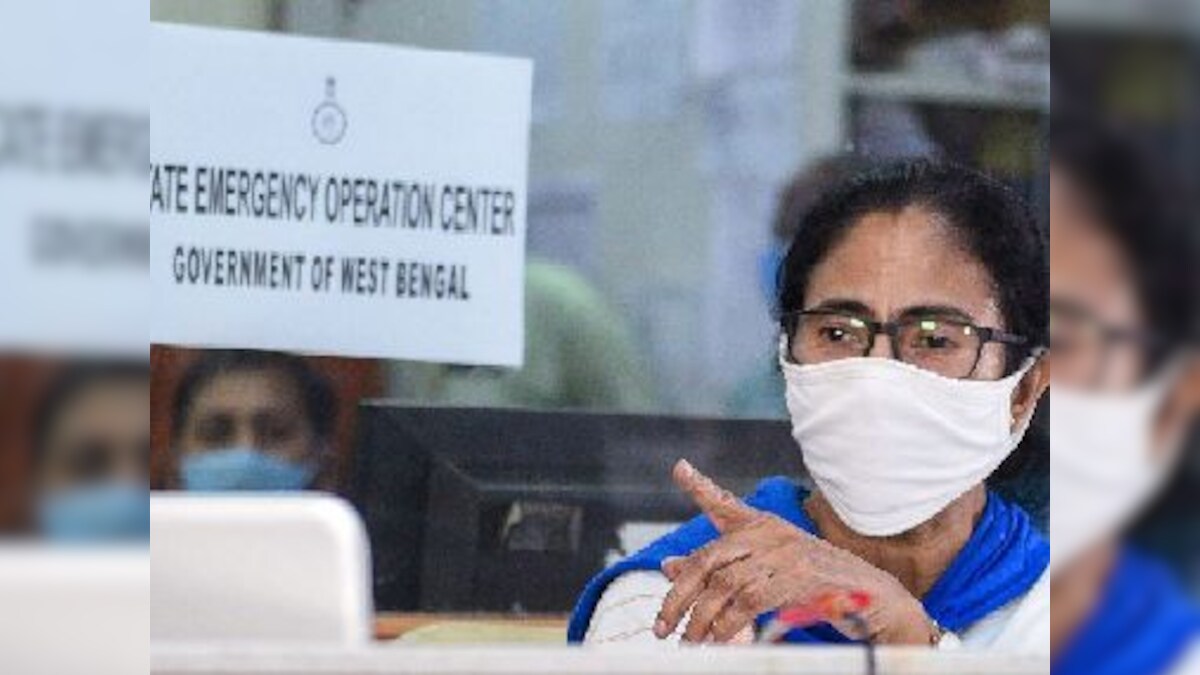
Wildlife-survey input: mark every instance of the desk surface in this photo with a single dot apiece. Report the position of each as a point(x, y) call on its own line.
point(404, 660)
point(390, 626)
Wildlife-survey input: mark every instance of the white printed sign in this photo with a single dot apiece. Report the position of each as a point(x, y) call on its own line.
point(74, 150)
point(337, 198)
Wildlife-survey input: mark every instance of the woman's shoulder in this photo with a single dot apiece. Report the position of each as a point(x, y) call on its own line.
point(1021, 627)
point(1144, 584)
point(1189, 663)
point(1144, 622)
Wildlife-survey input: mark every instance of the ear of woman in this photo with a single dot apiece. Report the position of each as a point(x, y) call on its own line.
point(1030, 391)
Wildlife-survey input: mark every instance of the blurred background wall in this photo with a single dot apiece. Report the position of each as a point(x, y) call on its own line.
point(665, 132)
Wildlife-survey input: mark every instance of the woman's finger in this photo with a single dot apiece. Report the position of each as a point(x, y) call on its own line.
point(673, 566)
point(691, 578)
point(726, 511)
point(752, 599)
point(722, 587)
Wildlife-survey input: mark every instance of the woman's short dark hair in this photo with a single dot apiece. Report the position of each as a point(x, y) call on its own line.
point(315, 392)
point(989, 218)
point(1141, 207)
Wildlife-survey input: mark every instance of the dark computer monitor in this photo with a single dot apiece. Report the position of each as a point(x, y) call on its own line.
point(496, 510)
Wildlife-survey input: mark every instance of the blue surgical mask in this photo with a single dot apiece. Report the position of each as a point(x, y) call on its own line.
point(244, 470)
point(96, 514)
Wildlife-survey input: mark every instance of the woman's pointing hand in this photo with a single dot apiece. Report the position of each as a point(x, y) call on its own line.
point(761, 563)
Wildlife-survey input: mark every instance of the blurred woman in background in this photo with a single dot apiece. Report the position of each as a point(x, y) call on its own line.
point(91, 455)
point(248, 420)
point(1122, 293)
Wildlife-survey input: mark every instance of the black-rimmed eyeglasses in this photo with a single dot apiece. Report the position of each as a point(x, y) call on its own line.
point(946, 346)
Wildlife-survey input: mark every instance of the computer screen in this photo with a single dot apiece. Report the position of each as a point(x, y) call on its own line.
point(494, 510)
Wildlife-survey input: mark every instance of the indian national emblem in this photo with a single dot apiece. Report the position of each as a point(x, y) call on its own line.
point(329, 121)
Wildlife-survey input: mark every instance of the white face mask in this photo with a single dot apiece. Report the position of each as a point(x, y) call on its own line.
point(889, 444)
point(1102, 467)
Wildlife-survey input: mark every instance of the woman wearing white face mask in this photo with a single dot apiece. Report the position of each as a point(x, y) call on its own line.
point(913, 307)
point(1121, 306)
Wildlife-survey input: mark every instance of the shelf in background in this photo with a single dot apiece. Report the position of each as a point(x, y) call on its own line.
point(1177, 18)
point(946, 90)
